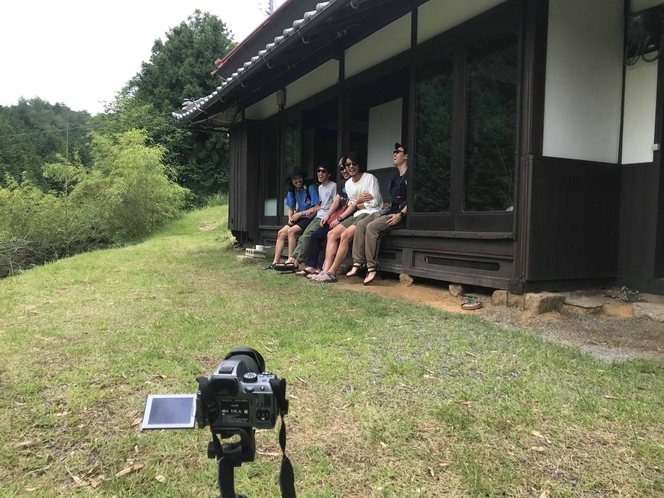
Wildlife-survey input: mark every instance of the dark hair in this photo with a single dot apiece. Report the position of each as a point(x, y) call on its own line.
point(326, 165)
point(354, 157)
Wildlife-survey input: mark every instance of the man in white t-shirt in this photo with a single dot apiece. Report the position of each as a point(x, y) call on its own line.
point(364, 198)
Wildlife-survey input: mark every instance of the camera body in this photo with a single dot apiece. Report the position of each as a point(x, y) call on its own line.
point(239, 394)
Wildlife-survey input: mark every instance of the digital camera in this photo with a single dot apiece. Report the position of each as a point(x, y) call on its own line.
point(239, 394)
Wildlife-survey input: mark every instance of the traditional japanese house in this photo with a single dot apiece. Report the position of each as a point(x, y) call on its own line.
point(533, 128)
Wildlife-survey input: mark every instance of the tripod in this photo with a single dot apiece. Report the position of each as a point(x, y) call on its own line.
point(231, 455)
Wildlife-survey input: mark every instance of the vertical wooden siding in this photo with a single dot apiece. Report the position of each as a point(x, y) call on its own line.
point(243, 197)
point(638, 220)
point(575, 217)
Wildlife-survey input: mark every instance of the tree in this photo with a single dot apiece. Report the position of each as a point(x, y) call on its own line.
point(179, 68)
point(34, 132)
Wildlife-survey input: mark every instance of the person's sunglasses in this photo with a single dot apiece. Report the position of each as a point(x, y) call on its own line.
point(321, 171)
point(397, 151)
point(352, 163)
point(342, 167)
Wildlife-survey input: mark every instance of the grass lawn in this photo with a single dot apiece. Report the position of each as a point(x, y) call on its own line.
point(387, 399)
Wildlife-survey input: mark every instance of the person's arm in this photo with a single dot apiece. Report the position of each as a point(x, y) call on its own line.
point(393, 219)
point(333, 209)
point(374, 189)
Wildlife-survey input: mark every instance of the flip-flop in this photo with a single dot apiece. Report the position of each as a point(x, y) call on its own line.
point(270, 266)
point(285, 267)
point(303, 273)
point(372, 275)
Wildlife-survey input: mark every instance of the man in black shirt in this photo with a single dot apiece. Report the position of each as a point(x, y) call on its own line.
point(365, 245)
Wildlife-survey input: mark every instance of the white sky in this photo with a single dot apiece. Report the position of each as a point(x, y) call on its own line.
point(80, 52)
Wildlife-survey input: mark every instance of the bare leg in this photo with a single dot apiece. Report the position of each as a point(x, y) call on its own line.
point(346, 239)
point(281, 243)
point(333, 238)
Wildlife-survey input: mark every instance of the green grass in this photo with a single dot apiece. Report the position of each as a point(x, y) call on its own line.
point(387, 399)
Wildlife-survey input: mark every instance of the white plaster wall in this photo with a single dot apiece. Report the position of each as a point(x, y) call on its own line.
point(384, 130)
point(437, 16)
point(639, 115)
point(263, 108)
point(582, 108)
point(321, 78)
point(383, 44)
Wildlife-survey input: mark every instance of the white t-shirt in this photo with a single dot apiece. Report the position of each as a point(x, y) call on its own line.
point(326, 194)
point(368, 183)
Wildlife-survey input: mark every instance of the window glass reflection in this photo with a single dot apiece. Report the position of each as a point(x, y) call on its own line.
point(491, 128)
point(433, 141)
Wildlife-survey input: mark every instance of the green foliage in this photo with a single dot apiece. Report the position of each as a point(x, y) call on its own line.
point(124, 196)
point(34, 132)
point(178, 69)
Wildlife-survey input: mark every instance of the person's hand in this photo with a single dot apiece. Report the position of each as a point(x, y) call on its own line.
point(334, 223)
point(393, 219)
point(364, 198)
point(323, 221)
point(293, 219)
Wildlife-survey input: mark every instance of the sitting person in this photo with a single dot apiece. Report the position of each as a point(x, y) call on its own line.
point(326, 193)
point(316, 252)
point(369, 230)
point(364, 199)
point(303, 204)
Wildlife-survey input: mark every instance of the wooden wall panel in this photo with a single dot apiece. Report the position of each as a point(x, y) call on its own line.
point(638, 220)
point(574, 220)
point(244, 189)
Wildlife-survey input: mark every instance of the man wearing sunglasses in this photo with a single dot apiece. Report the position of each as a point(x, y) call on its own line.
point(364, 199)
point(369, 230)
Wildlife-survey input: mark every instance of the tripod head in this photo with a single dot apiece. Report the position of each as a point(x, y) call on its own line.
point(231, 455)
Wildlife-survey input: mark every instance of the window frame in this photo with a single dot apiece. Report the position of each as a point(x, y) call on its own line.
point(453, 45)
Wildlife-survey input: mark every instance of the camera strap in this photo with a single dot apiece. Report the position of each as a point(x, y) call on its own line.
point(286, 474)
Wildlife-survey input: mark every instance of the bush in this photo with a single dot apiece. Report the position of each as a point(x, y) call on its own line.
point(126, 194)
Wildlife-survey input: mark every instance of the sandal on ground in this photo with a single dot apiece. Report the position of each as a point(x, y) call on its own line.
point(471, 304)
point(313, 275)
point(327, 278)
point(303, 273)
point(356, 270)
point(285, 267)
point(372, 275)
point(270, 266)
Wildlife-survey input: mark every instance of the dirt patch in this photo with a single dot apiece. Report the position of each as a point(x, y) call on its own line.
point(613, 335)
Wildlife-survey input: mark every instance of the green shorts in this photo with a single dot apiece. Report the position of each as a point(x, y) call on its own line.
point(353, 220)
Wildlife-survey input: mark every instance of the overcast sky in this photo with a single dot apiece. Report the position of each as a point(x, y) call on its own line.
point(80, 52)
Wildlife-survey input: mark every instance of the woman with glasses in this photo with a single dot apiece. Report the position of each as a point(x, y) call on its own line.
point(364, 199)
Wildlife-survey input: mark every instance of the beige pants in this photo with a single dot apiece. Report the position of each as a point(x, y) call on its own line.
point(367, 239)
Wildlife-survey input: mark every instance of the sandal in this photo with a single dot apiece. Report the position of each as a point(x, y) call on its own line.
point(326, 278)
point(285, 267)
point(270, 266)
point(372, 275)
point(471, 304)
point(303, 273)
point(313, 275)
point(356, 270)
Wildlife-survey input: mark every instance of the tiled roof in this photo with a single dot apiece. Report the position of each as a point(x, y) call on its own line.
point(191, 110)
